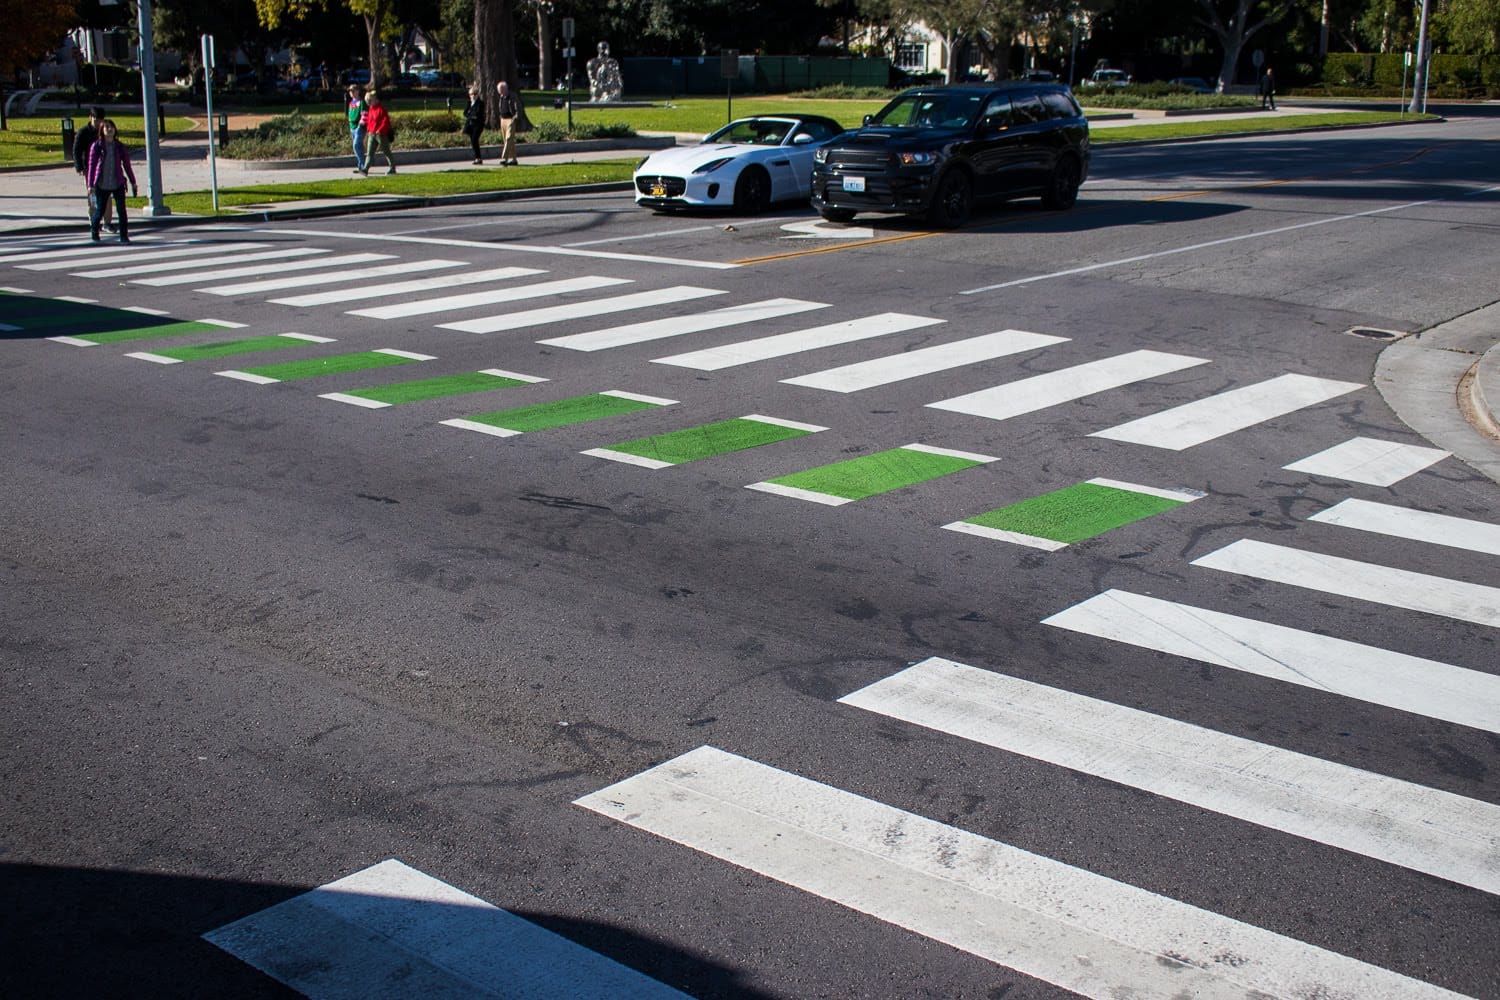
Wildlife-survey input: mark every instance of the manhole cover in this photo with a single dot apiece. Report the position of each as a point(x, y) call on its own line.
point(1374, 333)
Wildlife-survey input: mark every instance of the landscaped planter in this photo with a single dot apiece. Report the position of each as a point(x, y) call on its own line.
point(459, 154)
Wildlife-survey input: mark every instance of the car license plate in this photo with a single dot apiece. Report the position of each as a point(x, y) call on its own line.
point(658, 190)
point(854, 183)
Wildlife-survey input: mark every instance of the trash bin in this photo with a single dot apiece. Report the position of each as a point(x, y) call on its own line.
point(222, 128)
point(68, 136)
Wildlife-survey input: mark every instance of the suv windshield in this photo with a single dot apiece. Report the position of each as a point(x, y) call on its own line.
point(930, 111)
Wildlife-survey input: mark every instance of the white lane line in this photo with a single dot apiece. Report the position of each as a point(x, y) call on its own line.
point(183, 265)
point(147, 310)
point(339, 397)
point(1401, 823)
point(513, 247)
point(575, 310)
point(1417, 525)
point(1321, 662)
point(1180, 495)
point(366, 292)
point(73, 341)
point(104, 251)
point(1369, 461)
point(76, 298)
point(924, 361)
point(779, 422)
point(1399, 588)
point(1064, 925)
point(951, 453)
point(137, 255)
point(159, 359)
point(1038, 392)
point(519, 377)
point(475, 425)
point(409, 355)
point(343, 274)
point(249, 377)
point(1194, 248)
point(749, 351)
point(1002, 535)
point(11, 290)
point(626, 458)
point(674, 326)
point(391, 930)
point(1215, 416)
point(254, 270)
point(488, 297)
point(795, 493)
point(638, 397)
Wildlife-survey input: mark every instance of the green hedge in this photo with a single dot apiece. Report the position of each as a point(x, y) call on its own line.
point(1451, 76)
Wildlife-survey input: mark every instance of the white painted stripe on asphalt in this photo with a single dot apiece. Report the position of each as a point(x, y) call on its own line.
point(1001, 535)
point(103, 251)
point(368, 292)
point(15, 291)
point(254, 270)
point(575, 310)
point(653, 400)
point(147, 310)
point(73, 341)
point(160, 359)
point(1215, 416)
point(826, 499)
point(502, 373)
point(75, 298)
point(1182, 495)
point(951, 453)
point(1399, 588)
point(1060, 924)
point(395, 353)
point(1417, 525)
point(924, 361)
point(11, 250)
point(352, 274)
point(1038, 392)
point(1369, 461)
point(339, 397)
point(183, 265)
point(248, 377)
point(474, 425)
point(627, 458)
point(489, 296)
point(391, 930)
point(1395, 821)
point(763, 349)
point(778, 422)
point(676, 326)
point(308, 337)
point(160, 258)
point(1307, 659)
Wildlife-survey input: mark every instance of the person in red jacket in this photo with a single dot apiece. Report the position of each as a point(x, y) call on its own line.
point(108, 168)
point(378, 122)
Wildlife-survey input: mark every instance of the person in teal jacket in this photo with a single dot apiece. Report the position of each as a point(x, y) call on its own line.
point(357, 110)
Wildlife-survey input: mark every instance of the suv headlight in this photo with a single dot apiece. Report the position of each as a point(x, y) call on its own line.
point(712, 165)
point(820, 155)
point(917, 159)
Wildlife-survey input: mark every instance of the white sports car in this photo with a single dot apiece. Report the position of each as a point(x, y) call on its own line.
point(745, 165)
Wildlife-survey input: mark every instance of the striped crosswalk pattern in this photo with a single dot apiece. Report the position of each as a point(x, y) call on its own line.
point(1417, 525)
point(1206, 419)
point(254, 270)
point(574, 310)
point(166, 253)
point(488, 297)
point(1056, 922)
point(364, 293)
point(286, 253)
point(354, 274)
point(103, 251)
point(1370, 461)
point(924, 361)
point(676, 326)
point(391, 930)
point(765, 348)
point(1065, 385)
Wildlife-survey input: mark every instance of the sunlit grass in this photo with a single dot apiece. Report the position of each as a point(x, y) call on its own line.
point(37, 142)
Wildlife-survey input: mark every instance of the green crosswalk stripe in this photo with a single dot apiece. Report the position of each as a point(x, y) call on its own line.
point(694, 443)
point(562, 412)
point(1075, 513)
point(338, 364)
point(871, 475)
point(229, 348)
point(167, 328)
point(437, 388)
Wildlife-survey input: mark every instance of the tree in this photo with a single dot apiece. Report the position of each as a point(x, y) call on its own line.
point(377, 15)
point(33, 30)
point(1231, 25)
point(495, 55)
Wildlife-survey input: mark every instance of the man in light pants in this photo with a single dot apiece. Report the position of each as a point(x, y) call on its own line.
point(508, 107)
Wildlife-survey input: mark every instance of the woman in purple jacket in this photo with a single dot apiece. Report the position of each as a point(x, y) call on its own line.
point(109, 166)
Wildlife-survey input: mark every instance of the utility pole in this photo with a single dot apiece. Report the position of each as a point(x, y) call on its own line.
point(1424, 55)
point(154, 204)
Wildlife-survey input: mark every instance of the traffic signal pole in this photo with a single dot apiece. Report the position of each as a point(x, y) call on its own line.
point(154, 205)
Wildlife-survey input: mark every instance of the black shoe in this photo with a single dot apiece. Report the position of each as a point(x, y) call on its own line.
point(124, 238)
point(94, 236)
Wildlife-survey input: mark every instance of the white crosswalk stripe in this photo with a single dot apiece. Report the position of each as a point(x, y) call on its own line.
point(488, 297)
point(675, 326)
point(1370, 461)
point(134, 254)
point(286, 253)
point(924, 361)
point(765, 348)
point(1065, 385)
point(253, 270)
point(576, 310)
point(104, 251)
point(355, 274)
point(1417, 525)
point(365, 293)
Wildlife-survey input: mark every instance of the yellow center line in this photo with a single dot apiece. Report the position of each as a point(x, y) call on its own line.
point(832, 249)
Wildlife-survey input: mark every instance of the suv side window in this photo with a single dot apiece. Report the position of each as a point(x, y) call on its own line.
point(1060, 105)
point(996, 114)
point(1028, 110)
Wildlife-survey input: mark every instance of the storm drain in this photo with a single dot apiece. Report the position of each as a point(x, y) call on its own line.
point(1375, 333)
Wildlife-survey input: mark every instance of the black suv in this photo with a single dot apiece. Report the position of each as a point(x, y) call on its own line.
point(937, 150)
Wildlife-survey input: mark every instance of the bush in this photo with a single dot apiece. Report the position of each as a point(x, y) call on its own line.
point(1158, 97)
point(843, 92)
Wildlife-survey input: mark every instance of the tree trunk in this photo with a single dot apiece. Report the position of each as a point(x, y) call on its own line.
point(543, 49)
point(376, 53)
point(495, 56)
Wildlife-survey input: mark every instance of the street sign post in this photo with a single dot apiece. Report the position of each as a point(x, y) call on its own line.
point(567, 34)
point(154, 205)
point(729, 69)
point(208, 100)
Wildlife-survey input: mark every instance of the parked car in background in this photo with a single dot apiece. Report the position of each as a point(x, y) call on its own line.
point(1039, 76)
point(1196, 84)
point(428, 76)
point(1108, 78)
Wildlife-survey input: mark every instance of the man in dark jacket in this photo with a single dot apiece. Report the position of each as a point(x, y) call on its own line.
point(1268, 90)
point(81, 145)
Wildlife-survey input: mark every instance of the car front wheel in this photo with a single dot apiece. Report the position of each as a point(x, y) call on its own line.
point(950, 205)
point(752, 193)
point(1062, 190)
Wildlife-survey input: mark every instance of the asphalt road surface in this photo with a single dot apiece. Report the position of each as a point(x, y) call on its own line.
point(757, 607)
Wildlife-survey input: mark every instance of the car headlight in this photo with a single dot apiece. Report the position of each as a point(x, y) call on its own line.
point(712, 165)
point(820, 155)
point(917, 159)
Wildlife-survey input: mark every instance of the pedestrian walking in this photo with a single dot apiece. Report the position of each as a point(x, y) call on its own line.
point(509, 107)
point(82, 143)
point(1268, 90)
point(108, 169)
point(356, 111)
point(382, 131)
point(474, 121)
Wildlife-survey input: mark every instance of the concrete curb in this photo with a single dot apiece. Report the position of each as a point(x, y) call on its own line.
point(459, 154)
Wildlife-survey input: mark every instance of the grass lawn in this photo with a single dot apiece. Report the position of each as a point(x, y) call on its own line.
point(1179, 129)
point(34, 142)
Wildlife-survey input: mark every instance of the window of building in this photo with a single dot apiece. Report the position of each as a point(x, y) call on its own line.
point(911, 55)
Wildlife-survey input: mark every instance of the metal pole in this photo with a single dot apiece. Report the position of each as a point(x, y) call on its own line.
point(1405, 65)
point(1419, 82)
point(154, 204)
point(208, 108)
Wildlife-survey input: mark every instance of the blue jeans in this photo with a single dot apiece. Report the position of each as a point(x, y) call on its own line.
point(358, 135)
point(100, 209)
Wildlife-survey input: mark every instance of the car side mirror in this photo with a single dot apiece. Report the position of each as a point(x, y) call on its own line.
point(801, 139)
point(868, 119)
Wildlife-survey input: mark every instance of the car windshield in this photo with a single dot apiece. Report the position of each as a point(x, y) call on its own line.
point(930, 110)
point(753, 132)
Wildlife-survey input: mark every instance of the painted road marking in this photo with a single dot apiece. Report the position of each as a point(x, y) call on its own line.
point(1399, 588)
point(391, 930)
point(183, 265)
point(924, 361)
point(349, 274)
point(818, 229)
point(662, 451)
point(576, 310)
point(338, 364)
point(1369, 461)
point(1215, 416)
point(1417, 525)
point(559, 413)
point(254, 270)
point(197, 250)
point(228, 348)
point(489, 296)
point(763, 349)
point(1060, 924)
point(675, 326)
point(103, 251)
point(174, 328)
point(433, 388)
point(1395, 821)
point(1027, 395)
point(1085, 510)
point(367, 292)
point(871, 475)
point(1307, 659)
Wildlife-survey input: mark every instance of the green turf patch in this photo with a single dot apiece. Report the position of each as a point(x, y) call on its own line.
point(165, 328)
point(339, 364)
point(871, 475)
point(229, 348)
point(1075, 513)
point(694, 443)
point(562, 412)
point(436, 388)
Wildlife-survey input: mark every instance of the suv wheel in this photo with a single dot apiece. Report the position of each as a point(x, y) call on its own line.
point(950, 205)
point(837, 214)
point(1062, 190)
point(752, 193)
